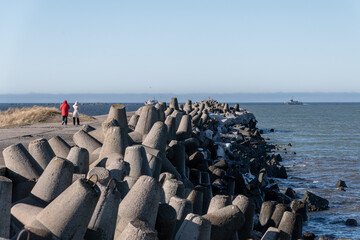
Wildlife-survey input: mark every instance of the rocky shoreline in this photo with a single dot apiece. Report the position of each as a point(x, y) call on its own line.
point(193, 171)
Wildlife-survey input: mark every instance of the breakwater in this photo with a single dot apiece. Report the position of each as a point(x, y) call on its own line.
point(206, 148)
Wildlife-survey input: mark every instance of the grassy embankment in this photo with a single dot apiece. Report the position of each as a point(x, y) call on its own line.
point(14, 117)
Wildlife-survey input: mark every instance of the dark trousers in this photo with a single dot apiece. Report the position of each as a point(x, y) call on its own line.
point(64, 119)
point(77, 120)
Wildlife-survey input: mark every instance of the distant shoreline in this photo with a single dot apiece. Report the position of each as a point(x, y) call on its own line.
point(275, 97)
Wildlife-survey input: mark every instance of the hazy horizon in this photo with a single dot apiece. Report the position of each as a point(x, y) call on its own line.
point(278, 97)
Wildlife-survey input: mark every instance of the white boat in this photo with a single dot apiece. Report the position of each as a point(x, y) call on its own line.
point(150, 102)
point(293, 102)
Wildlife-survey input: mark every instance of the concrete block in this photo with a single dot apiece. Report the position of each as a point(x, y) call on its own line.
point(142, 202)
point(165, 221)
point(147, 119)
point(59, 146)
point(118, 112)
point(5, 206)
point(116, 141)
point(266, 211)
point(184, 130)
point(218, 202)
point(68, 216)
point(80, 159)
point(174, 103)
point(84, 140)
point(225, 222)
point(182, 207)
point(133, 121)
point(271, 234)
point(173, 187)
point(138, 230)
point(194, 227)
point(196, 197)
point(56, 177)
point(103, 221)
point(157, 136)
point(290, 226)
point(247, 207)
point(178, 160)
point(20, 164)
point(136, 157)
point(41, 151)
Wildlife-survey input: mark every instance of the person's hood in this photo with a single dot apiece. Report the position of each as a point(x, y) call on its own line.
point(65, 102)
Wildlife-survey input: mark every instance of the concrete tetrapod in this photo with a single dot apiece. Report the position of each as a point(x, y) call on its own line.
point(157, 136)
point(161, 112)
point(207, 196)
point(290, 226)
point(196, 197)
point(280, 208)
point(118, 169)
point(20, 164)
point(247, 207)
point(271, 234)
point(165, 221)
point(184, 130)
point(137, 230)
point(146, 120)
point(266, 211)
point(188, 106)
point(102, 175)
point(56, 178)
point(179, 156)
point(5, 206)
point(174, 103)
point(118, 112)
point(41, 151)
point(194, 227)
point(225, 222)
point(103, 221)
point(109, 123)
point(80, 158)
point(136, 157)
point(59, 146)
point(84, 140)
point(98, 134)
point(219, 201)
point(142, 202)
point(133, 121)
point(168, 111)
point(171, 126)
point(177, 115)
point(173, 187)
point(68, 216)
point(116, 141)
point(182, 207)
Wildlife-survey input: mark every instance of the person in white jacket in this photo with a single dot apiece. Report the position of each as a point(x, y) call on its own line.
point(76, 113)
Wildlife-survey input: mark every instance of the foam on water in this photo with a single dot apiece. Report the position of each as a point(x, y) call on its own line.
point(326, 139)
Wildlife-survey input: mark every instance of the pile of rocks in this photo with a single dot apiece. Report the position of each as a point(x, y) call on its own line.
point(193, 171)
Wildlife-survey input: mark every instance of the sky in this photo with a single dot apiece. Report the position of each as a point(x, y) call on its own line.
point(188, 46)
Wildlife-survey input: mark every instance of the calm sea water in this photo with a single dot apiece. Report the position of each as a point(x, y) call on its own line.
point(326, 139)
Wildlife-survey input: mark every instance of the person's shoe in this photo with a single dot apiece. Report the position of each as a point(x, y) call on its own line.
point(62, 123)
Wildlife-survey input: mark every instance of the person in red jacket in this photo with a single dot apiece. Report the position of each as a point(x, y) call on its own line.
point(64, 112)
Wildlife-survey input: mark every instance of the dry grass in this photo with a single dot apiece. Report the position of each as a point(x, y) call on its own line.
point(14, 117)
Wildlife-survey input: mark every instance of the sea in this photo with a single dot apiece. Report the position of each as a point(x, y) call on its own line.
point(325, 139)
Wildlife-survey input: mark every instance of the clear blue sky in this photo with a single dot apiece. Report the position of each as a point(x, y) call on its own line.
point(179, 46)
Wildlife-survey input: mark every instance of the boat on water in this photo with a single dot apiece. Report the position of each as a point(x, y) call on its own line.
point(150, 102)
point(293, 102)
